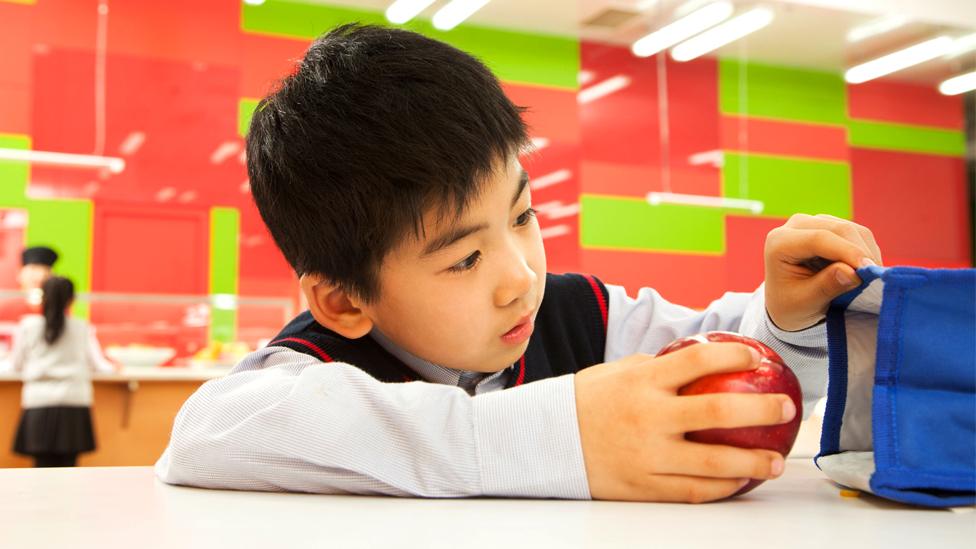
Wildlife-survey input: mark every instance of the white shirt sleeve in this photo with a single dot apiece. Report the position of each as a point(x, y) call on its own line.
point(93, 354)
point(648, 322)
point(285, 421)
point(18, 354)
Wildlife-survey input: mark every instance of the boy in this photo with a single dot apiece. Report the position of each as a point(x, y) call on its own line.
point(386, 168)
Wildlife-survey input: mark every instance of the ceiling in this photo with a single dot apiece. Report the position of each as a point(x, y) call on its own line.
point(805, 33)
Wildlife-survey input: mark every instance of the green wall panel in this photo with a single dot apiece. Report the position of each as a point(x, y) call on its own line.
point(633, 224)
point(781, 92)
point(789, 185)
point(902, 137)
point(224, 261)
point(65, 225)
point(245, 110)
point(14, 175)
point(513, 56)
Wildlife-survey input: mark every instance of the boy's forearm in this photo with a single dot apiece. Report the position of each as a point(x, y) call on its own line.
point(330, 428)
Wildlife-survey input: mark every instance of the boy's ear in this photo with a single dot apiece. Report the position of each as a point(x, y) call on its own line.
point(331, 307)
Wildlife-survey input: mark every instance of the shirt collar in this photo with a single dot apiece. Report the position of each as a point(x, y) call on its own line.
point(435, 373)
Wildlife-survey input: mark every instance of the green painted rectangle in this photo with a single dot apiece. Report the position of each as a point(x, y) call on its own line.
point(14, 174)
point(66, 226)
point(245, 110)
point(513, 56)
point(782, 93)
point(633, 224)
point(223, 325)
point(903, 137)
point(224, 250)
point(224, 269)
point(788, 185)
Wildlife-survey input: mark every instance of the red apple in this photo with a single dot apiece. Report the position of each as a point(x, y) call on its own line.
point(772, 376)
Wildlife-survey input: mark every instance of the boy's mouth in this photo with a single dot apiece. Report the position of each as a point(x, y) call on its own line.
point(520, 332)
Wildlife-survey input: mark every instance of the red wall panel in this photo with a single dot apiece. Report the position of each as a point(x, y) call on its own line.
point(146, 249)
point(904, 103)
point(691, 280)
point(781, 138)
point(915, 204)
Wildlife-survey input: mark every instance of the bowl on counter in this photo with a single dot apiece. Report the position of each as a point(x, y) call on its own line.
point(140, 356)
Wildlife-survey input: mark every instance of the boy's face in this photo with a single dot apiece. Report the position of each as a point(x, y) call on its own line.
point(465, 294)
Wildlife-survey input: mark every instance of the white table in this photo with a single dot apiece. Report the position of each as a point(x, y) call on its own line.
point(126, 507)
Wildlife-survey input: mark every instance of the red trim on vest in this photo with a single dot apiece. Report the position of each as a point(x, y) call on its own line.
point(521, 376)
point(322, 354)
point(599, 299)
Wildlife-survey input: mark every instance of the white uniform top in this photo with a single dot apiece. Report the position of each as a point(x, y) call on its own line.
point(57, 374)
point(283, 420)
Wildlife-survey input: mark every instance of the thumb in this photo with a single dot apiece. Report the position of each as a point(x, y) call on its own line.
point(835, 280)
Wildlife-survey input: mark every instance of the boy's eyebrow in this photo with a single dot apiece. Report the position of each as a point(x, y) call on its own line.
point(450, 237)
point(523, 182)
point(457, 233)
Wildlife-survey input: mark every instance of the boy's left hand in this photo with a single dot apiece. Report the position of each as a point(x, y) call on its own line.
point(811, 260)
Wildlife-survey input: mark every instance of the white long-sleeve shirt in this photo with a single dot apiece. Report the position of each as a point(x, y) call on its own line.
point(282, 420)
point(57, 374)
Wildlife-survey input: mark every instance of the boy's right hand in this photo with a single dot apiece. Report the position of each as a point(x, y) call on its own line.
point(632, 424)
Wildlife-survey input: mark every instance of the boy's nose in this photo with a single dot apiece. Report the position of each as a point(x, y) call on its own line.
point(514, 282)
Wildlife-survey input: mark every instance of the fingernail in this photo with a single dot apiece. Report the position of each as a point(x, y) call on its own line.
point(789, 410)
point(776, 467)
point(755, 356)
point(744, 481)
point(844, 278)
point(866, 262)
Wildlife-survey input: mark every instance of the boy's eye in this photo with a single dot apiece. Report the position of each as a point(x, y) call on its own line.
point(524, 219)
point(467, 263)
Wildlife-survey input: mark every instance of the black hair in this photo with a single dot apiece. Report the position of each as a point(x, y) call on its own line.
point(375, 128)
point(58, 293)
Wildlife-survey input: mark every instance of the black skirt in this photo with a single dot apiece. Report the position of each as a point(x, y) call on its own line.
point(55, 430)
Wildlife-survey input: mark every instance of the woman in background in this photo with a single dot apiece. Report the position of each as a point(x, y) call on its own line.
point(56, 354)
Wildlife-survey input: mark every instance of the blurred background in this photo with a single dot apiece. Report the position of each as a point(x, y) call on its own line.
point(670, 137)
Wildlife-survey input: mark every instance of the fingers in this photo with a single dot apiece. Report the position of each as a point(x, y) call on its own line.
point(681, 367)
point(731, 410)
point(866, 235)
point(833, 281)
point(716, 461)
point(799, 244)
point(687, 489)
point(856, 234)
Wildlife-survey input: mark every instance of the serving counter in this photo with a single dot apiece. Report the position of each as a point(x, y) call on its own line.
point(133, 413)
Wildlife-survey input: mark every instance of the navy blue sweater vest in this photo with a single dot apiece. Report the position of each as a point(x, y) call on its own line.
point(570, 334)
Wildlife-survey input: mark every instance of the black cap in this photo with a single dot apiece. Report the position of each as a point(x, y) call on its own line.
point(39, 255)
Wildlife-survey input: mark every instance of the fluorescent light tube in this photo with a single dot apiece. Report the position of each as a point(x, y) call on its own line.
point(754, 206)
point(605, 87)
point(876, 27)
point(454, 12)
point(959, 84)
point(901, 59)
point(402, 11)
point(114, 164)
point(728, 32)
point(682, 29)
